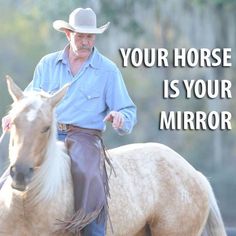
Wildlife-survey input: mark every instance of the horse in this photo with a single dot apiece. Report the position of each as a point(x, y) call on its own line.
point(154, 190)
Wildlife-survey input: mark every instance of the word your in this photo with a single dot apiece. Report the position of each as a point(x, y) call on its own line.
point(148, 57)
point(203, 57)
point(198, 88)
point(195, 120)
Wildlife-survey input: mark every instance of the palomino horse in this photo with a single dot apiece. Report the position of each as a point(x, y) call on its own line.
point(154, 192)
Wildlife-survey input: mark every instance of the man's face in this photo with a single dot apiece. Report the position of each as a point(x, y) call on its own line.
point(81, 44)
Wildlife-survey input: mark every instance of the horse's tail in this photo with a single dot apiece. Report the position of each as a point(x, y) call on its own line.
point(214, 225)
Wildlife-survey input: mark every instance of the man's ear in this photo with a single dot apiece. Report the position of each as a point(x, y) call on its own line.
point(68, 34)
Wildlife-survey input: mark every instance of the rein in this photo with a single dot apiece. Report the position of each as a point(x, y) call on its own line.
point(2, 136)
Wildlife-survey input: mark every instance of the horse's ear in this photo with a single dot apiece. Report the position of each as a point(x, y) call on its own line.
point(15, 92)
point(56, 98)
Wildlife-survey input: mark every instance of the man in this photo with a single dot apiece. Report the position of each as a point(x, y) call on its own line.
point(97, 94)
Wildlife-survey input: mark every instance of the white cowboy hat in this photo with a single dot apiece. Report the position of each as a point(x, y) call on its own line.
point(82, 21)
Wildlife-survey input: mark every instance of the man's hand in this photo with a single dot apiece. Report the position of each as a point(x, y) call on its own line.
point(116, 118)
point(6, 123)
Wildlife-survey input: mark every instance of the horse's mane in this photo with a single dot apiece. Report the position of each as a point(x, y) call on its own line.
point(54, 171)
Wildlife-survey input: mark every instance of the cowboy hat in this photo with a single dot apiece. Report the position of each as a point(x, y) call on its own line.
point(82, 21)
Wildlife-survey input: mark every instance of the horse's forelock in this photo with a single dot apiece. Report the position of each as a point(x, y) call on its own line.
point(29, 104)
point(34, 109)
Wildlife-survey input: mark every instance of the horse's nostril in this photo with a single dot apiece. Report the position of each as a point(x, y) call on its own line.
point(20, 178)
point(12, 171)
point(31, 170)
point(18, 173)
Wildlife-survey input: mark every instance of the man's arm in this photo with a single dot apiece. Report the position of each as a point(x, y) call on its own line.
point(122, 109)
point(36, 81)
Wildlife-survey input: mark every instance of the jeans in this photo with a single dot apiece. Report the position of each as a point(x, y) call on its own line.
point(92, 229)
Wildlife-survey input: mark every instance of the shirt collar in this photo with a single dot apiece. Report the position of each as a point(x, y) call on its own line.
point(63, 55)
point(92, 60)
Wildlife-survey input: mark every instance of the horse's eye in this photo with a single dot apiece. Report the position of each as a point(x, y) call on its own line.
point(46, 129)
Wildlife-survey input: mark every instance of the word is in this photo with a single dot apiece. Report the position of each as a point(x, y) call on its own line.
point(198, 88)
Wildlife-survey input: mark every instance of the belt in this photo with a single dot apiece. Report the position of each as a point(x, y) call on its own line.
point(68, 127)
point(63, 127)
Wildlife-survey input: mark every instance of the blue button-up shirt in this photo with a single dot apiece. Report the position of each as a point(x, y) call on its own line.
point(95, 90)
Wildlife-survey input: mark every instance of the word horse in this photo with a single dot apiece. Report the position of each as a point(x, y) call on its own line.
point(154, 192)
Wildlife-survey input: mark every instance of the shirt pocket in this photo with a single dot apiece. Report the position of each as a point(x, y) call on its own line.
point(49, 88)
point(92, 100)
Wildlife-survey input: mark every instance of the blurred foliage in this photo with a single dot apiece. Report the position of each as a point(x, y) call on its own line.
point(216, 2)
point(27, 34)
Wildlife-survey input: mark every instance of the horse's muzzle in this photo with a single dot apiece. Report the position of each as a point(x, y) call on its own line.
point(17, 186)
point(21, 176)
